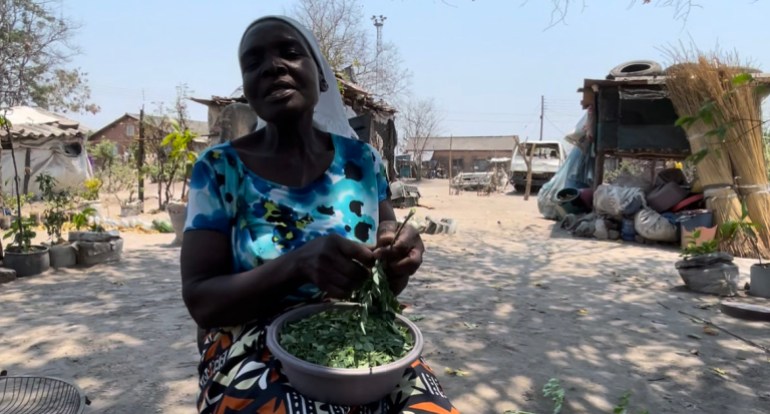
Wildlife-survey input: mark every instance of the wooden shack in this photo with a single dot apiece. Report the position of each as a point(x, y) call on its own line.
point(633, 119)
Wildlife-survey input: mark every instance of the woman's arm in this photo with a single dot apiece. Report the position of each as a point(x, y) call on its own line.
point(216, 297)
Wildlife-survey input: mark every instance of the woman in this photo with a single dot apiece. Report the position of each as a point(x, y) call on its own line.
point(284, 216)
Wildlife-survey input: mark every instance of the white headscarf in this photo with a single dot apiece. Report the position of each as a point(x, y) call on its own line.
point(329, 114)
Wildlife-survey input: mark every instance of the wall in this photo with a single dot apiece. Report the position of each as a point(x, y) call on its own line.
point(465, 159)
point(118, 134)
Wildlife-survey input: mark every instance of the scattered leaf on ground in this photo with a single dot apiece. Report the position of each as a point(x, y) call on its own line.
point(470, 325)
point(456, 372)
point(720, 372)
point(583, 312)
point(695, 352)
point(710, 331)
point(693, 336)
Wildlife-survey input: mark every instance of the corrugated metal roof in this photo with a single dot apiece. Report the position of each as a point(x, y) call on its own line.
point(34, 124)
point(488, 143)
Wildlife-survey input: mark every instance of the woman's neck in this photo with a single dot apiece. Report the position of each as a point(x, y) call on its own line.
point(298, 137)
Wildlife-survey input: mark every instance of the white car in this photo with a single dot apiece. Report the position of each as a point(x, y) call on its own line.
point(547, 158)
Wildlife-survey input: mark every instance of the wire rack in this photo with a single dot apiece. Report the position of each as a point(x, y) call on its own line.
point(40, 395)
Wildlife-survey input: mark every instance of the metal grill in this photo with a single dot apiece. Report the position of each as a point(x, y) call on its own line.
point(39, 395)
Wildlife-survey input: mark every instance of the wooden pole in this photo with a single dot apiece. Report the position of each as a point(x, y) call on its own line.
point(528, 161)
point(140, 160)
point(450, 164)
point(542, 115)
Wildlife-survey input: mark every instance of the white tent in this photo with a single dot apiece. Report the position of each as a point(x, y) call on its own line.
point(43, 142)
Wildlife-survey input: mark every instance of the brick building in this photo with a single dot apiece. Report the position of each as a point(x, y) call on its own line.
point(468, 153)
point(124, 130)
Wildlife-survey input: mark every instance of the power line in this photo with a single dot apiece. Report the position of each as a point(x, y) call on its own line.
point(561, 131)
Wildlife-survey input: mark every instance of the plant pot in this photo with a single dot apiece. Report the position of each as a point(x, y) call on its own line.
point(713, 273)
point(63, 255)
point(93, 236)
point(93, 253)
point(337, 385)
point(130, 210)
point(177, 212)
point(760, 281)
point(29, 263)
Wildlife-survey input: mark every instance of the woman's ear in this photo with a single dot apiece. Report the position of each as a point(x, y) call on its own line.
point(324, 85)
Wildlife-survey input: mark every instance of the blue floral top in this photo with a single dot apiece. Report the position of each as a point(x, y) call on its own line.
point(265, 220)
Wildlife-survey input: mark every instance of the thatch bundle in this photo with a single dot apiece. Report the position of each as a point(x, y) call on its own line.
point(730, 129)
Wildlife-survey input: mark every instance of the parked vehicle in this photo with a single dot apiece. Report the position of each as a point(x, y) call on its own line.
point(547, 158)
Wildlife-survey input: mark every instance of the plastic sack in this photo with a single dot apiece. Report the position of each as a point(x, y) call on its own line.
point(581, 136)
point(547, 203)
point(652, 226)
point(616, 202)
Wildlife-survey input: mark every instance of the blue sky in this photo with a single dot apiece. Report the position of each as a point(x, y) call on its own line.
point(486, 63)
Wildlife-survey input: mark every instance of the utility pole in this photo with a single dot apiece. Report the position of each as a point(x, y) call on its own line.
point(140, 160)
point(378, 21)
point(450, 164)
point(542, 115)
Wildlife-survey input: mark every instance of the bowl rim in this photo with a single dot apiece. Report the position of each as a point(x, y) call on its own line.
point(280, 353)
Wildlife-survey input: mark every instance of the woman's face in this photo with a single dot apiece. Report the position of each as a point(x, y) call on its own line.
point(280, 76)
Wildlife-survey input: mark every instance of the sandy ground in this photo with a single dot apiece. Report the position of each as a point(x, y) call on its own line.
point(508, 300)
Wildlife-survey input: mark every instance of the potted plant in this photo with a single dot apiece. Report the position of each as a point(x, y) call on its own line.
point(759, 281)
point(705, 269)
point(95, 245)
point(348, 353)
point(22, 256)
point(62, 253)
point(179, 142)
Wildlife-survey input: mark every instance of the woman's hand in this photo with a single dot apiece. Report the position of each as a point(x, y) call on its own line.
point(335, 264)
point(400, 257)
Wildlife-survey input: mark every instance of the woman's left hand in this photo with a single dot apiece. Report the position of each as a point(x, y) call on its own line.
point(401, 258)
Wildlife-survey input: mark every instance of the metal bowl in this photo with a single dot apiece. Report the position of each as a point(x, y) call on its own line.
point(341, 386)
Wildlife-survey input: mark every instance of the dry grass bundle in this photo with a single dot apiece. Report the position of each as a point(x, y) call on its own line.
point(758, 205)
point(726, 206)
point(729, 127)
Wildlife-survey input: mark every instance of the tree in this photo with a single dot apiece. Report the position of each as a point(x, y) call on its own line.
point(35, 50)
point(420, 121)
point(168, 140)
point(339, 27)
point(561, 8)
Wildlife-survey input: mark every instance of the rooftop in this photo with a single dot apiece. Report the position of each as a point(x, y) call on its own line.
point(479, 143)
point(29, 122)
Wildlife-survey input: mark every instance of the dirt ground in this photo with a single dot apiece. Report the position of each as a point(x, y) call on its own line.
point(509, 301)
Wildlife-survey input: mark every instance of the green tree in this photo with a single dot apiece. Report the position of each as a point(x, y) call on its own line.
point(339, 27)
point(34, 55)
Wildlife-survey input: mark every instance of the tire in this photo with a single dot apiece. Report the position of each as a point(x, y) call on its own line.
point(637, 68)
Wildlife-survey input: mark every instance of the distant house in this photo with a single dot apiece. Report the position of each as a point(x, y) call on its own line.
point(44, 143)
point(468, 153)
point(125, 130)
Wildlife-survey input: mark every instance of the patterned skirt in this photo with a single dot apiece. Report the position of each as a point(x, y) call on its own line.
point(238, 374)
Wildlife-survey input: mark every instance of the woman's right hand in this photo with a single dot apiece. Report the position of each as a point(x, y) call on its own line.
point(335, 264)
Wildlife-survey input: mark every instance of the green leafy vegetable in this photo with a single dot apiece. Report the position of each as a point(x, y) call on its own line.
point(333, 338)
point(365, 337)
